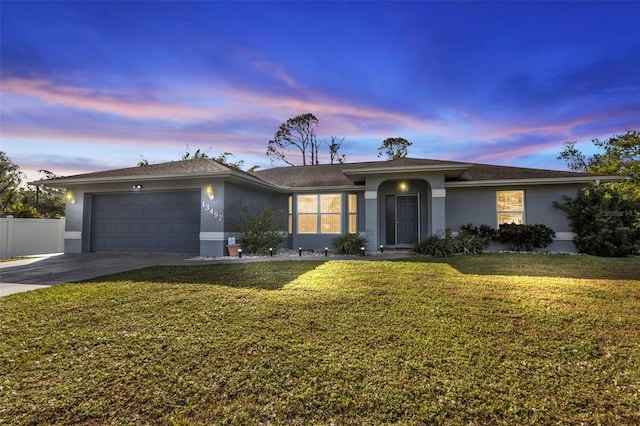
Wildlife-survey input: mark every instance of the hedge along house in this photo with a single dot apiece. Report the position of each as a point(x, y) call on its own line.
point(191, 206)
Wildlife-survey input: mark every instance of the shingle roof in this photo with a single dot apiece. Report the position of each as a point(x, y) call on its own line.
point(334, 175)
point(195, 166)
point(325, 175)
point(483, 172)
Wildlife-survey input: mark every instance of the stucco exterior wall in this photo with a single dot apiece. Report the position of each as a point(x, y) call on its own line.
point(477, 205)
point(236, 195)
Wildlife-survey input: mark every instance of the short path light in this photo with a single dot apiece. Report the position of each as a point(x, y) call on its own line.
point(362, 250)
point(300, 251)
point(381, 248)
point(326, 251)
point(240, 253)
point(270, 251)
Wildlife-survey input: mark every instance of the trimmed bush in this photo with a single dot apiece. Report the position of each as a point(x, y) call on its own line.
point(348, 243)
point(525, 237)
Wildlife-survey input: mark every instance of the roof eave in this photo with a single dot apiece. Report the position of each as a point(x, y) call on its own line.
point(535, 181)
point(68, 182)
point(407, 169)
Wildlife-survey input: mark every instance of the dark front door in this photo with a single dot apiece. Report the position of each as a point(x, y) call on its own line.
point(406, 220)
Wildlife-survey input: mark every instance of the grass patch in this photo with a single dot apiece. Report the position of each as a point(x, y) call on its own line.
point(13, 259)
point(454, 341)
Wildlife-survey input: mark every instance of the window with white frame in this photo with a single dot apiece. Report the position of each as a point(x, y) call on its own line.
point(290, 228)
point(319, 213)
point(353, 213)
point(510, 207)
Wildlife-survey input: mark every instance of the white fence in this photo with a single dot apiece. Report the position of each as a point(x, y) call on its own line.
point(23, 237)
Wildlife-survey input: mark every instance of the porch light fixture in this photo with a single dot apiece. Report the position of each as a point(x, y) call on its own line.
point(211, 193)
point(137, 187)
point(403, 186)
point(70, 198)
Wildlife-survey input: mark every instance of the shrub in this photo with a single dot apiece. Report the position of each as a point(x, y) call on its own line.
point(260, 228)
point(605, 219)
point(436, 246)
point(525, 237)
point(348, 243)
point(467, 243)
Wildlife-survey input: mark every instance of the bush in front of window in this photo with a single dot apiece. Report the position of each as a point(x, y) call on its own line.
point(348, 243)
point(259, 228)
point(525, 237)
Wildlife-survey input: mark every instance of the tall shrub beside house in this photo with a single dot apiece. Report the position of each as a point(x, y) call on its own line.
point(606, 220)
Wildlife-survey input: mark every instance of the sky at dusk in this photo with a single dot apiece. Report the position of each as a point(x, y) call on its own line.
point(92, 86)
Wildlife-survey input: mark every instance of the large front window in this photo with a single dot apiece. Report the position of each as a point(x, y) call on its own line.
point(510, 207)
point(319, 213)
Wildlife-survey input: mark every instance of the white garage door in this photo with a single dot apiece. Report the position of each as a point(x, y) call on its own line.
point(146, 222)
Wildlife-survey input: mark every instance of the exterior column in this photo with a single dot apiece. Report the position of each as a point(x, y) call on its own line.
point(438, 222)
point(371, 219)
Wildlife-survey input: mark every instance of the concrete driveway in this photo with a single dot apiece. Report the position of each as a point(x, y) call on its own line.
point(44, 271)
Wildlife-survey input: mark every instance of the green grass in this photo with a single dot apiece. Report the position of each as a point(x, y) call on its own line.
point(491, 339)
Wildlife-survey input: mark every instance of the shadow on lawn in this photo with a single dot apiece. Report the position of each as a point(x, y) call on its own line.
point(263, 275)
point(542, 265)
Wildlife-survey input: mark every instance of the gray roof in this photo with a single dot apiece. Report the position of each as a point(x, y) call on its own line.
point(483, 172)
point(194, 166)
point(328, 175)
point(325, 175)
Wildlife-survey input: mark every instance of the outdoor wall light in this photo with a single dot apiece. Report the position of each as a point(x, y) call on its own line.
point(137, 187)
point(403, 186)
point(70, 198)
point(211, 193)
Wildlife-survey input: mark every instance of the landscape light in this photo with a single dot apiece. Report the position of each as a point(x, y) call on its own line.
point(240, 253)
point(362, 250)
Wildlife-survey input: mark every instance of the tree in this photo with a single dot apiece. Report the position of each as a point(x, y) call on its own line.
point(296, 133)
point(334, 147)
point(606, 217)
point(48, 201)
point(620, 155)
point(10, 180)
point(224, 159)
point(394, 148)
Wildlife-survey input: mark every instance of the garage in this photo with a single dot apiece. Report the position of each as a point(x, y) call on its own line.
point(146, 222)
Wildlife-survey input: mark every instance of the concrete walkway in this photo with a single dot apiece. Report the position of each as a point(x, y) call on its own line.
point(44, 271)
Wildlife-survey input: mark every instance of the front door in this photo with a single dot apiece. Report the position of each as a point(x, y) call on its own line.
point(406, 220)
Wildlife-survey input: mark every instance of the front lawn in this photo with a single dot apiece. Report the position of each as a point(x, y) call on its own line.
point(491, 339)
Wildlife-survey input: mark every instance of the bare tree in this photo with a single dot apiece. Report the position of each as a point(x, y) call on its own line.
point(296, 133)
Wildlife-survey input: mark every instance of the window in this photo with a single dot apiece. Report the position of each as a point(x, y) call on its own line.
point(510, 207)
point(319, 213)
point(353, 213)
point(290, 214)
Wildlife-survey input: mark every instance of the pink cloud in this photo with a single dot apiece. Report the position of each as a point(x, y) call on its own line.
point(89, 99)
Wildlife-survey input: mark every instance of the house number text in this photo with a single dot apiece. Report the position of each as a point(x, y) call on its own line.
point(217, 213)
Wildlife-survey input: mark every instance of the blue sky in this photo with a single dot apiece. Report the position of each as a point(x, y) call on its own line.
point(91, 86)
